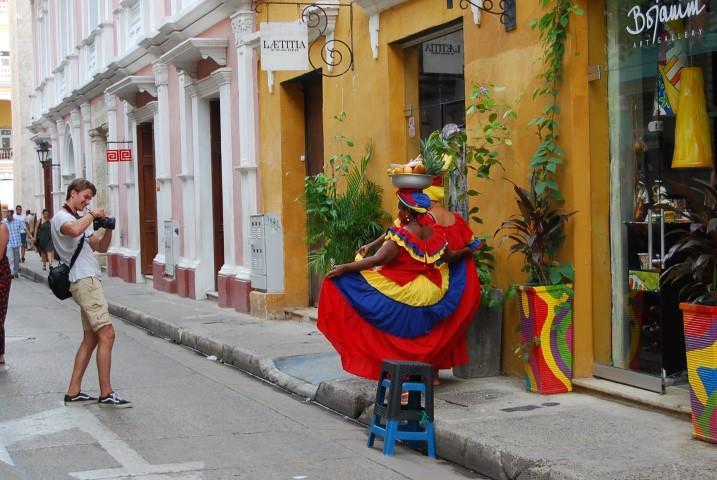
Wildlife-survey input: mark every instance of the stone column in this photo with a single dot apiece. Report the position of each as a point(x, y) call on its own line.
point(112, 173)
point(204, 273)
point(189, 223)
point(55, 171)
point(243, 23)
point(89, 171)
point(98, 147)
point(133, 243)
point(58, 148)
point(75, 120)
point(225, 98)
point(161, 153)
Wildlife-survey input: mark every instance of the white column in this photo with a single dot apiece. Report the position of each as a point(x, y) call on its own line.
point(187, 174)
point(225, 113)
point(161, 153)
point(112, 173)
point(204, 273)
point(54, 171)
point(58, 151)
point(76, 123)
point(89, 168)
point(243, 26)
point(133, 243)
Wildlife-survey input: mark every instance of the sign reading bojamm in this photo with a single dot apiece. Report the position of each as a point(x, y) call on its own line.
point(284, 46)
point(649, 21)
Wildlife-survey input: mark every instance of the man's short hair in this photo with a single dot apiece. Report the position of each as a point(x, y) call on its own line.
point(18, 206)
point(78, 185)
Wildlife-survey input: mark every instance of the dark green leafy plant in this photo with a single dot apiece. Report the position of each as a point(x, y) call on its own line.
point(344, 209)
point(695, 251)
point(536, 233)
point(432, 150)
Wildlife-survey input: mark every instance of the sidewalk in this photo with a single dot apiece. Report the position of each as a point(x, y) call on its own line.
point(488, 425)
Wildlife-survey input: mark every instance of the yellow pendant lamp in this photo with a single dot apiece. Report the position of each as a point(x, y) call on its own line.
point(693, 141)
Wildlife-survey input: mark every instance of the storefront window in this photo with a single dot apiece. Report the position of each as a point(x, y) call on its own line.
point(662, 85)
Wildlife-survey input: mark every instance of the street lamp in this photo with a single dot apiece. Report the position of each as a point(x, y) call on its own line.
point(43, 149)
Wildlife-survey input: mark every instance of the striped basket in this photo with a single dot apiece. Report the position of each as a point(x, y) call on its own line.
point(701, 344)
point(546, 312)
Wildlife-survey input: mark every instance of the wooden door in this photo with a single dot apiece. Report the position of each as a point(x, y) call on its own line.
point(217, 197)
point(47, 175)
point(314, 138)
point(146, 183)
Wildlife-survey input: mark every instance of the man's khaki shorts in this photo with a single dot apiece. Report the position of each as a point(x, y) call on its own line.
point(88, 294)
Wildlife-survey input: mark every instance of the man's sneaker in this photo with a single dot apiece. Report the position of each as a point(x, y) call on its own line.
point(113, 400)
point(79, 399)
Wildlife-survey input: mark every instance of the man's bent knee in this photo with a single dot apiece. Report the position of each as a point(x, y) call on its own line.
point(106, 333)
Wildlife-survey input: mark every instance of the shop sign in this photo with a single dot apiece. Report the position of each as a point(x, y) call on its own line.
point(118, 155)
point(649, 21)
point(444, 54)
point(284, 46)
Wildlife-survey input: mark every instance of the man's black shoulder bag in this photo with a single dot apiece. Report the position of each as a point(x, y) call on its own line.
point(59, 276)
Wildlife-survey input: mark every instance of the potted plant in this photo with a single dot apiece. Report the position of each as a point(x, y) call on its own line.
point(693, 266)
point(546, 301)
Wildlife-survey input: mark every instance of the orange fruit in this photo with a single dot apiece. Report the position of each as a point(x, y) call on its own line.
point(420, 168)
point(397, 170)
point(407, 169)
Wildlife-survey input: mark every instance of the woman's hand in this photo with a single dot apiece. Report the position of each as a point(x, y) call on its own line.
point(363, 251)
point(337, 271)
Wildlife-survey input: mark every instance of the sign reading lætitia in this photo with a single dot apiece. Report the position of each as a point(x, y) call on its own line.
point(284, 46)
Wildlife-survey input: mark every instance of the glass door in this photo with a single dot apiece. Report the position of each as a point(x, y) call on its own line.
point(662, 82)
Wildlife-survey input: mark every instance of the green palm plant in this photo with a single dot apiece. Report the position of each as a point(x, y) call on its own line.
point(341, 220)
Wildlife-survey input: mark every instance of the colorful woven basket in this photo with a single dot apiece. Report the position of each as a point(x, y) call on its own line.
point(546, 312)
point(701, 344)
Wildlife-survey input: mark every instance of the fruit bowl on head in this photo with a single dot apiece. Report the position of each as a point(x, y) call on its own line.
point(418, 181)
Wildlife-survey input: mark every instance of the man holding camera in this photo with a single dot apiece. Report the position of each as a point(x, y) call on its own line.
point(71, 225)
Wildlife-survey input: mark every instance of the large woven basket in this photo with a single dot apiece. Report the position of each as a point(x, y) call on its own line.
point(546, 312)
point(701, 344)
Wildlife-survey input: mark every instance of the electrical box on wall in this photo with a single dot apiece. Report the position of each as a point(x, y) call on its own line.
point(266, 240)
point(171, 246)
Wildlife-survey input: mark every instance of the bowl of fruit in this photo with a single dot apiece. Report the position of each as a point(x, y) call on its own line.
point(411, 175)
point(419, 172)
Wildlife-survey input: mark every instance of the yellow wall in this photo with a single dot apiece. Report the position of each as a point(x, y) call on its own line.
point(5, 114)
point(374, 95)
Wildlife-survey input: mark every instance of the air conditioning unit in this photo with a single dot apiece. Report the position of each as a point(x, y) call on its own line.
point(266, 241)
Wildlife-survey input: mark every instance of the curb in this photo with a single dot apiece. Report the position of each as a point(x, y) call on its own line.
point(352, 398)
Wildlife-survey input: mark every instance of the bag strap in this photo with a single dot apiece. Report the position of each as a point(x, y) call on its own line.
point(77, 252)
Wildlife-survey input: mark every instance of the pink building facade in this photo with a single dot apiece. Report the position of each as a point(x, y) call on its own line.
point(174, 81)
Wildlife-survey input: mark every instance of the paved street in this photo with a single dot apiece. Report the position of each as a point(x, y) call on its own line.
point(193, 418)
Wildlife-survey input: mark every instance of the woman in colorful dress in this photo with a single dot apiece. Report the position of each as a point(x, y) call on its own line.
point(460, 239)
point(414, 307)
point(5, 282)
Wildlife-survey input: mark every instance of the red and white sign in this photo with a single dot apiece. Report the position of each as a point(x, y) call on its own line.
point(118, 155)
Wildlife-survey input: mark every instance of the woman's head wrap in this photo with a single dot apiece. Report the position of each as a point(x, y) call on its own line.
point(436, 192)
point(414, 200)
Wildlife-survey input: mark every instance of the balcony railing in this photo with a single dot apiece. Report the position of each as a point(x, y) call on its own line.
point(5, 153)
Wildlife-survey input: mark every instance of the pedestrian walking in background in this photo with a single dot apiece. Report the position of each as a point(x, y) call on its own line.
point(30, 223)
point(73, 229)
point(5, 281)
point(20, 218)
point(14, 242)
point(43, 239)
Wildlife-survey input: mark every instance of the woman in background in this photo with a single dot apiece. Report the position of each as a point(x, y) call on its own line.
point(44, 239)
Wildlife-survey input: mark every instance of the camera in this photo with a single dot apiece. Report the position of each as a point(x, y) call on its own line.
point(104, 222)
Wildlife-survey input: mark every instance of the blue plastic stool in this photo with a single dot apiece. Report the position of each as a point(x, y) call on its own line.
point(411, 423)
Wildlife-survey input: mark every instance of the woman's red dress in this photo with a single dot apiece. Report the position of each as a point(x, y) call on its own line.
point(410, 309)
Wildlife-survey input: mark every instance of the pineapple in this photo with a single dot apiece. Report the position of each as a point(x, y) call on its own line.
point(431, 154)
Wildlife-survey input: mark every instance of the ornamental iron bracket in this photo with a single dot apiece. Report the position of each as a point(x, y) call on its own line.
point(320, 18)
point(505, 9)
